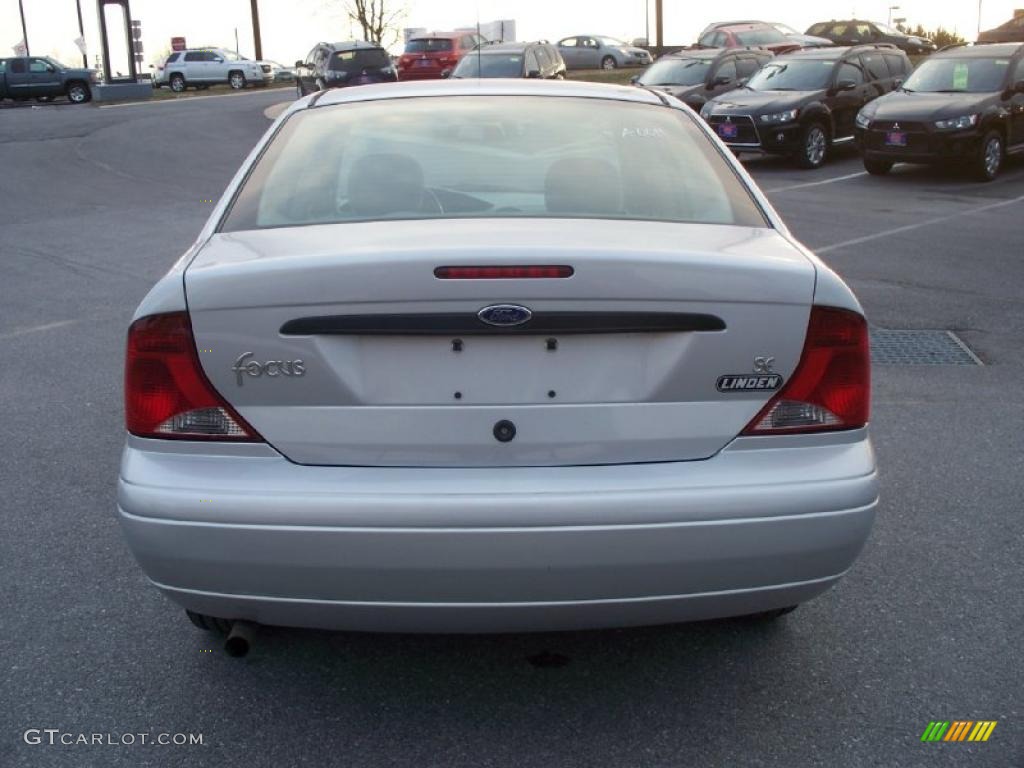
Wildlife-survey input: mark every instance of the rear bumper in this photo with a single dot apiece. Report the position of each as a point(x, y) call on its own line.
point(482, 550)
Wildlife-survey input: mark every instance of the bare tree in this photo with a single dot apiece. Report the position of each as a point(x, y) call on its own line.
point(378, 18)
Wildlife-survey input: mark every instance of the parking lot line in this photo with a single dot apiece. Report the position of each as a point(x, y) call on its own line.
point(817, 183)
point(35, 329)
point(917, 225)
point(180, 99)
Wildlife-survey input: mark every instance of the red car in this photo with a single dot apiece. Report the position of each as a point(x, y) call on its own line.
point(432, 56)
point(752, 35)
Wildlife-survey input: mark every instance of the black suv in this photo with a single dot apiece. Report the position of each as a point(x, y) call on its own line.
point(535, 60)
point(859, 32)
point(336, 65)
point(696, 75)
point(963, 105)
point(802, 103)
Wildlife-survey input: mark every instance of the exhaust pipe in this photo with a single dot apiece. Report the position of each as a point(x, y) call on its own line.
point(240, 638)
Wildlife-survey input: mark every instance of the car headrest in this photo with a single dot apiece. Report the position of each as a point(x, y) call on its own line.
point(583, 185)
point(385, 184)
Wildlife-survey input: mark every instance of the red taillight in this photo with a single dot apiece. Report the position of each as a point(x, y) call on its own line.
point(502, 273)
point(166, 394)
point(831, 387)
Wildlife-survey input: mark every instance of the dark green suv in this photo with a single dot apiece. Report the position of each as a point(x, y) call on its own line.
point(964, 105)
point(803, 103)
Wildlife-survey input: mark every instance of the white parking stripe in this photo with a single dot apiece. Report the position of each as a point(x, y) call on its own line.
point(817, 183)
point(178, 100)
point(918, 225)
point(34, 329)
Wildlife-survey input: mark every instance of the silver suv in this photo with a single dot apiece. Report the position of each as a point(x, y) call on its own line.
point(203, 67)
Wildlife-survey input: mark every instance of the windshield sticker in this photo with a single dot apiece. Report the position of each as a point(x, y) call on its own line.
point(643, 133)
point(960, 76)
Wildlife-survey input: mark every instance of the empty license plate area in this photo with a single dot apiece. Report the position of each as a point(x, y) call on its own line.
point(487, 370)
point(896, 139)
point(728, 130)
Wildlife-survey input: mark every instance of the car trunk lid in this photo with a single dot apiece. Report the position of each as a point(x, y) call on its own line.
point(341, 345)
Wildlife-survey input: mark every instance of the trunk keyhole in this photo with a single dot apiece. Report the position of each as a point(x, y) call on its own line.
point(456, 345)
point(552, 345)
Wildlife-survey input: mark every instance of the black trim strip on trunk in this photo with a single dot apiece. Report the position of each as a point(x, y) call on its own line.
point(461, 324)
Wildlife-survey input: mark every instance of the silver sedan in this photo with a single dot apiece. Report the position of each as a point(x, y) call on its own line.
point(601, 52)
point(558, 365)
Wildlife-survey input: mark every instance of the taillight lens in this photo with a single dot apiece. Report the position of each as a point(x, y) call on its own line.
point(831, 387)
point(166, 394)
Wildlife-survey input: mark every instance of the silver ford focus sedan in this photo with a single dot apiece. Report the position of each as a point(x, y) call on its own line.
point(495, 356)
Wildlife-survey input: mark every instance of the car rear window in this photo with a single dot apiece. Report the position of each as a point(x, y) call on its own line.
point(364, 58)
point(763, 36)
point(428, 44)
point(490, 157)
point(490, 65)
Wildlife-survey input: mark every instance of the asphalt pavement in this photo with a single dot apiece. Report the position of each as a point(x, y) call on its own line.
point(99, 202)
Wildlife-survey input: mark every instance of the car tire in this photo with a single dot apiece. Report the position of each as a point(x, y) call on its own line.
point(79, 93)
point(177, 83)
point(989, 160)
point(236, 80)
point(877, 166)
point(813, 147)
point(608, 62)
point(208, 623)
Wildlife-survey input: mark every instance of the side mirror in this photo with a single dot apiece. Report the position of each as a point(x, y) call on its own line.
point(741, 82)
point(721, 80)
point(446, 73)
point(533, 74)
point(298, 64)
point(218, 59)
point(897, 83)
point(634, 79)
point(845, 85)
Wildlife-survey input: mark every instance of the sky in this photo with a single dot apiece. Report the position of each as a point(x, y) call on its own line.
point(291, 27)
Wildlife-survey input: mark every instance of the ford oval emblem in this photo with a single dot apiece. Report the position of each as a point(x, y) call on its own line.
point(505, 315)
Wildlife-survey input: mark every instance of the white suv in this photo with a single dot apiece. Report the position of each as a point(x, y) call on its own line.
point(204, 67)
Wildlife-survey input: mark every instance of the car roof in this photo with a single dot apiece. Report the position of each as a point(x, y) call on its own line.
point(442, 35)
point(503, 48)
point(983, 51)
point(350, 45)
point(830, 54)
point(701, 53)
point(475, 87)
point(744, 25)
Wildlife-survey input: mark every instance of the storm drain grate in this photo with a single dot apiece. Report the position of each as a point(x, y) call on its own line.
point(893, 347)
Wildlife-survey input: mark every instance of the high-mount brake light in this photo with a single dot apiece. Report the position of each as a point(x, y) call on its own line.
point(166, 393)
point(831, 387)
point(503, 272)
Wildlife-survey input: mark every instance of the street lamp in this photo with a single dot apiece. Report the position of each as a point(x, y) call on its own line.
point(891, 9)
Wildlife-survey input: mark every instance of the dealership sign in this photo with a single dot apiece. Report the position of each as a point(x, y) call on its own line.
point(178, 44)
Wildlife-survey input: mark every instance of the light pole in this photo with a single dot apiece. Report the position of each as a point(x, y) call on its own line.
point(891, 9)
point(24, 31)
point(81, 34)
point(647, 22)
point(979, 20)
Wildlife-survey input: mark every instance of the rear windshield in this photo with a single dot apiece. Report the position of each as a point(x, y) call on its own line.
point(676, 72)
point(490, 65)
point(426, 44)
point(493, 157)
point(793, 75)
point(763, 36)
point(354, 61)
point(958, 75)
